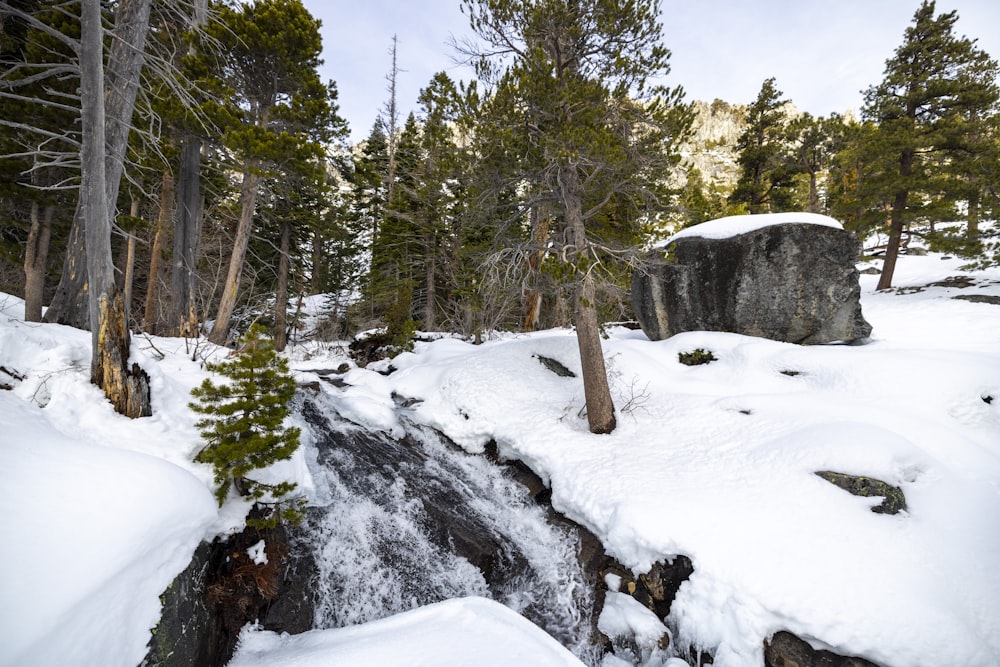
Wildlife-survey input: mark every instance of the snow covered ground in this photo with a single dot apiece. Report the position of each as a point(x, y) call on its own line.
point(715, 461)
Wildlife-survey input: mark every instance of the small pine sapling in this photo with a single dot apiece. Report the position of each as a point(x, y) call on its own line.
point(243, 426)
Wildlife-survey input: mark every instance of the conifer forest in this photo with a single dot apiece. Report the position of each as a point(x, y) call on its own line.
point(180, 168)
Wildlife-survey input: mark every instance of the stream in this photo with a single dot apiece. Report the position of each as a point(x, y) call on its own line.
point(403, 523)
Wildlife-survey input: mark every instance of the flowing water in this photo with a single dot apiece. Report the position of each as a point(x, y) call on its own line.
point(405, 523)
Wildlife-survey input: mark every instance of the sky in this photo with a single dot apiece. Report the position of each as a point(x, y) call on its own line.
point(822, 53)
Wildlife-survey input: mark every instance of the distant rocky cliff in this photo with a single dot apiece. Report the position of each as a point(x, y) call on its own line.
point(712, 147)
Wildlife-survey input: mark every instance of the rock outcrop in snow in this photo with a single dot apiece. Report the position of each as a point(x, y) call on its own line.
point(790, 282)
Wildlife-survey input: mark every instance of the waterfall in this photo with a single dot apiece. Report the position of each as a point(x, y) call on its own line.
point(402, 523)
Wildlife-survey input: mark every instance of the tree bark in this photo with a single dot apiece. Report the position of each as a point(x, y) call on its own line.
point(130, 259)
point(430, 306)
point(152, 318)
point(597, 393)
point(71, 304)
point(36, 258)
point(972, 229)
point(187, 232)
point(896, 222)
point(248, 202)
point(128, 390)
point(533, 295)
point(281, 297)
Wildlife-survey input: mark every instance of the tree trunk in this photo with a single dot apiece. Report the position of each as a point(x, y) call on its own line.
point(895, 236)
point(813, 193)
point(281, 298)
point(152, 317)
point(70, 300)
point(130, 260)
point(896, 221)
point(318, 269)
point(36, 258)
point(248, 201)
point(70, 304)
point(972, 229)
point(600, 407)
point(110, 341)
point(430, 306)
point(183, 319)
point(533, 296)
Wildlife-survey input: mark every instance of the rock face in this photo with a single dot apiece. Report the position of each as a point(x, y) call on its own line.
point(791, 282)
point(786, 650)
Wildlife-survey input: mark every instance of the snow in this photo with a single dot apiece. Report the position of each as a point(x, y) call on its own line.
point(735, 225)
point(258, 553)
point(715, 462)
point(466, 631)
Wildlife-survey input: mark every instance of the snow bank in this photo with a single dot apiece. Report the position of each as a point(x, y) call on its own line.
point(97, 535)
point(717, 462)
point(103, 511)
point(464, 631)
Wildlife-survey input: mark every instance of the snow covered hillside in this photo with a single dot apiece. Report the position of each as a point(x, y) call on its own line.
point(715, 461)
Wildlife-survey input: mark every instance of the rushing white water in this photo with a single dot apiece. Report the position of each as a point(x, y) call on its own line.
point(411, 522)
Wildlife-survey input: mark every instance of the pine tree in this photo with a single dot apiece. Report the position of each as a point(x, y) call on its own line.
point(935, 86)
point(766, 165)
point(243, 425)
point(282, 111)
point(580, 76)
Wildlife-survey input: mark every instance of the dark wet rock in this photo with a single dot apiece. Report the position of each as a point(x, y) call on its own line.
point(786, 650)
point(223, 589)
point(657, 588)
point(555, 366)
point(979, 298)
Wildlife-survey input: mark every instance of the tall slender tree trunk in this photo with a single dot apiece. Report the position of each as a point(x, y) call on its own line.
point(130, 259)
point(248, 202)
point(153, 313)
point(597, 393)
point(281, 297)
point(813, 193)
point(895, 237)
point(972, 229)
point(430, 278)
point(318, 273)
point(70, 302)
point(128, 390)
point(392, 124)
point(533, 296)
point(183, 319)
point(896, 222)
point(36, 258)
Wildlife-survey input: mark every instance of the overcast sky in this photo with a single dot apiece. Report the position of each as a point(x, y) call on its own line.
point(822, 53)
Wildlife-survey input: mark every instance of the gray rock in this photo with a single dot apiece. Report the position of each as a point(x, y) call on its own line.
point(893, 500)
point(791, 282)
point(786, 650)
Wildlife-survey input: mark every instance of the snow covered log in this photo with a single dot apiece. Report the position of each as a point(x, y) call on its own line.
point(794, 281)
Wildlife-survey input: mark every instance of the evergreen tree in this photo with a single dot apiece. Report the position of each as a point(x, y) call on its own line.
point(815, 140)
point(767, 168)
point(853, 167)
point(701, 201)
point(243, 424)
point(576, 74)
point(935, 88)
point(282, 111)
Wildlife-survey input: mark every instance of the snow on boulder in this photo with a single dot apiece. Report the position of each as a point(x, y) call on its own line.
point(786, 277)
point(461, 631)
point(91, 537)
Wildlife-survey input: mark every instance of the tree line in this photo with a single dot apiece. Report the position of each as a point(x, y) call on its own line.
point(226, 190)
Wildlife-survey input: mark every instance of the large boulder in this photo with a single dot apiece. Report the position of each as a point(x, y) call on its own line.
point(787, 277)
